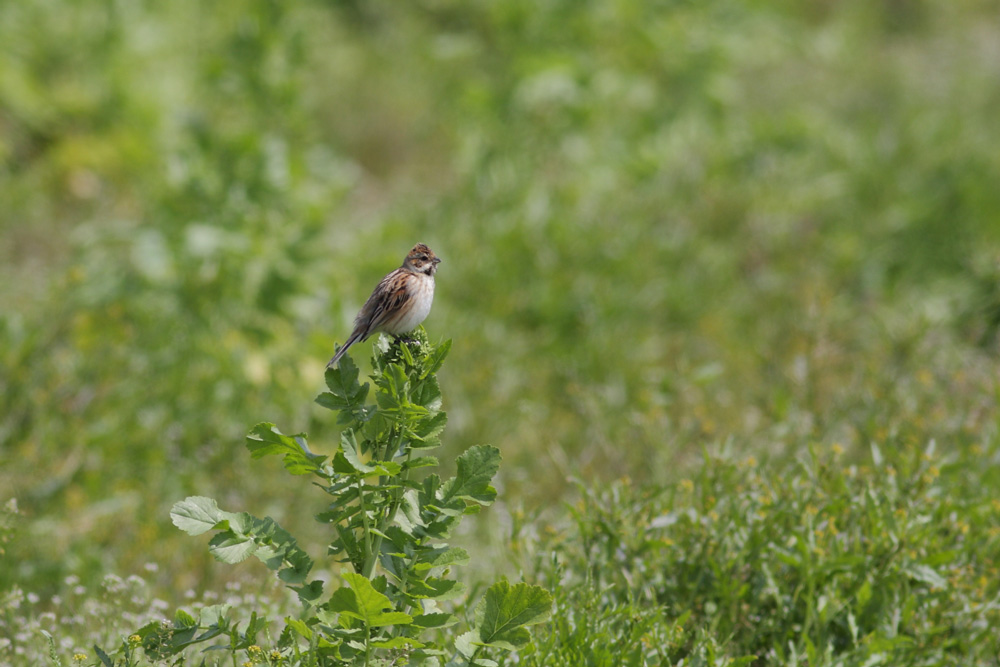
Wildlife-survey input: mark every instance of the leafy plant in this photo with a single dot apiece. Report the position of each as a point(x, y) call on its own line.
point(389, 530)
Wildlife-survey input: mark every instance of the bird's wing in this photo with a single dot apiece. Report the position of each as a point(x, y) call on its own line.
point(384, 304)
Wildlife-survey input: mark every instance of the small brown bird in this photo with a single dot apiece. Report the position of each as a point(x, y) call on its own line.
point(400, 302)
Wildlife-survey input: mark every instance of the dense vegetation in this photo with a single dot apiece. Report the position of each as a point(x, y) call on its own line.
point(723, 281)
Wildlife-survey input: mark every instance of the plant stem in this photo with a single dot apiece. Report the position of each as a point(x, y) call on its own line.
point(369, 561)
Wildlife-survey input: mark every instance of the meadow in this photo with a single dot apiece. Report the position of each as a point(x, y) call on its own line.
point(721, 281)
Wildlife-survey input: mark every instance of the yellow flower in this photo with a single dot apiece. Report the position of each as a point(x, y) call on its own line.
point(79, 657)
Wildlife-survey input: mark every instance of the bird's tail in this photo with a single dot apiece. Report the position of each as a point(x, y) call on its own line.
point(349, 342)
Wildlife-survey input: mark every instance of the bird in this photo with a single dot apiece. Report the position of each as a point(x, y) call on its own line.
point(399, 303)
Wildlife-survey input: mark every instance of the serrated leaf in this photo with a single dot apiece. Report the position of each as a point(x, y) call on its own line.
point(103, 657)
point(363, 602)
point(467, 643)
point(300, 627)
point(420, 462)
point(342, 381)
point(436, 358)
point(443, 557)
point(427, 394)
point(265, 439)
point(436, 620)
point(182, 619)
point(231, 548)
point(434, 588)
point(427, 432)
point(476, 468)
point(506, 611)
point(352, 455)
point(310, 593)
point(197, 514)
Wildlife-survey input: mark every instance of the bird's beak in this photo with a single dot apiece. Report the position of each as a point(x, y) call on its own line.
point(437, 260)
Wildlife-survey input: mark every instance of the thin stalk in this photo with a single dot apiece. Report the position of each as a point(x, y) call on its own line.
point(369, 562)
point(371, 558)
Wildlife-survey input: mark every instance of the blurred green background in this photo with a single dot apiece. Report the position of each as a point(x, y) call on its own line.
point(666, 226)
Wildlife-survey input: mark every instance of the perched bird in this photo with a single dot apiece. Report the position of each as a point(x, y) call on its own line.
point(400, 302)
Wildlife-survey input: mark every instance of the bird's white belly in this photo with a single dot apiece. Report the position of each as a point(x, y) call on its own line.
point(420, 308)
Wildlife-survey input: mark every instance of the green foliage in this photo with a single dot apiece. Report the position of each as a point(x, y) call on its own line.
point(380, 516)
point(665, 225)
point(821, 561)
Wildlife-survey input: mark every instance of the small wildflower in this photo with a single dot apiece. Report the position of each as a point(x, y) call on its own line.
point(837, 449)
point(79, 657)
point(687, 485)
point(750, 462)
point(812, 510)
point(275, 655)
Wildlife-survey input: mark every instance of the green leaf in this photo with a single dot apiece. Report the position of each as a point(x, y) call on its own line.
point(182, 619)
point(397, 642)
point(363, 602)
point(104, 657)
point(231, 548)
point(436, 358)
point(426, 433)
point(420, 462)
point(265, 439)
point(346, 395)
point(197, 514)
point(476, 468)
point(467, 644)
point(437, 620)
point(300, 627)
point(444, 557)
point(352, 454)
point(435, 588)
point(505, 612)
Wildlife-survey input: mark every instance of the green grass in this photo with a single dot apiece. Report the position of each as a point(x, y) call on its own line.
point(667, 228)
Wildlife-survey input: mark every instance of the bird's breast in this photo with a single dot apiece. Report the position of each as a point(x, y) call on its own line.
point(418, 306)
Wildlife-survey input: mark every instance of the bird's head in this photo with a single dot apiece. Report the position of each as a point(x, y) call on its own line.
point(421, 260)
